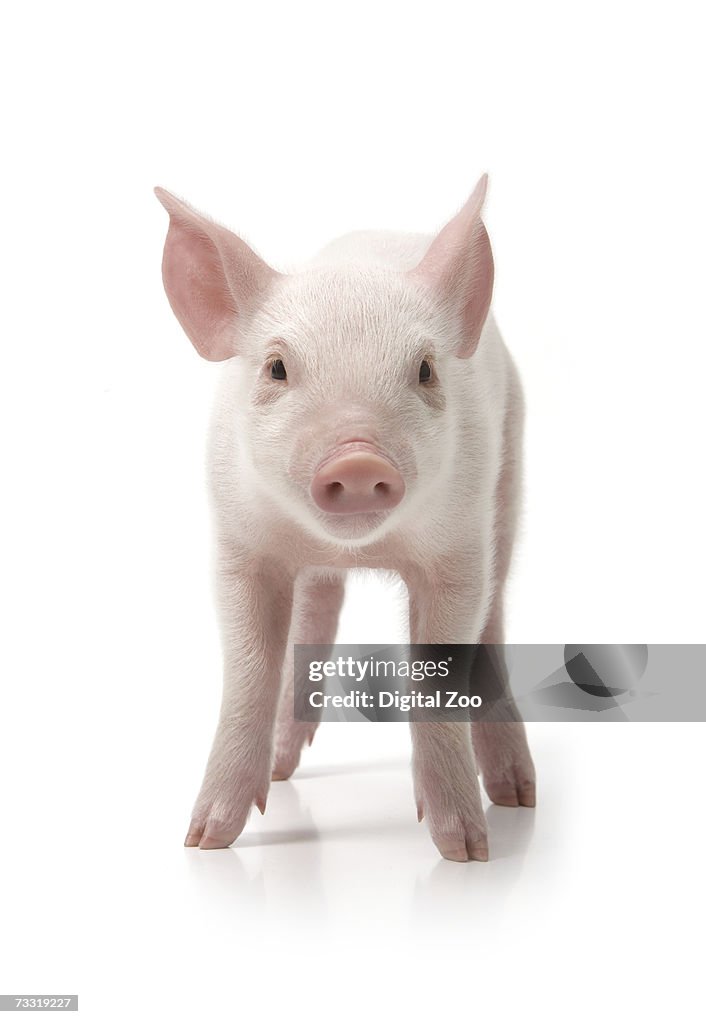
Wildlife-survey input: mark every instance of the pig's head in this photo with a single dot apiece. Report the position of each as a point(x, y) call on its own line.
point(348, 383)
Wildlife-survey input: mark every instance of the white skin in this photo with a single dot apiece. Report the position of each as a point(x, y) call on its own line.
point(352, 330)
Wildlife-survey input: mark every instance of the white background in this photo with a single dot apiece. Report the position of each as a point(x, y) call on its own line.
point(293, 123)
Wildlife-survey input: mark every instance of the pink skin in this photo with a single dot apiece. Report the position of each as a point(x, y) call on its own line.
point(317, 604)
point(501, 749)
point(357, 479)
point(238, 771)
point(352, 460)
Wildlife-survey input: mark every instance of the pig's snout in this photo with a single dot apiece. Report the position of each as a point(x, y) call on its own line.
point(356, 481)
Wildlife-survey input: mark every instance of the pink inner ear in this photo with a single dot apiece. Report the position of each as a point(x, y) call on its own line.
point(198, 292)
point(459, 266)
point(210, 276)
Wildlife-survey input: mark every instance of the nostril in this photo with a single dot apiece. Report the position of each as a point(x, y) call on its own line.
point(335, 488)
point(382, 488)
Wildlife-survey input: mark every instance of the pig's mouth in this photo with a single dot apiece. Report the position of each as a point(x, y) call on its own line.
point(356, 486)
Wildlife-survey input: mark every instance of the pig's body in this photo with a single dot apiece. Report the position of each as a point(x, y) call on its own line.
point(354, 325)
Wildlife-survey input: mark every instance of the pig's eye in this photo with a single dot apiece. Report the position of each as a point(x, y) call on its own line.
point(277, 370)
point(425, 372)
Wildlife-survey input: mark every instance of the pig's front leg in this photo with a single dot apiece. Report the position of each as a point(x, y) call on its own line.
point(255, 608)
point(500, 746)
point(317, 603)
point(445, 778)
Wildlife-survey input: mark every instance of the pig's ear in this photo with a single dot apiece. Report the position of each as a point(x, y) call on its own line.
point(211, 278)
point(459, 266)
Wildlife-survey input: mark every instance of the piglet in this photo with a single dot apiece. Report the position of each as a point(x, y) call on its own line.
point(368, 414)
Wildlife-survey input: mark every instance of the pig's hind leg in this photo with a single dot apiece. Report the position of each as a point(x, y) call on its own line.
point(317, 604)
